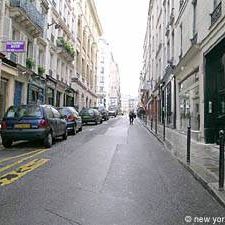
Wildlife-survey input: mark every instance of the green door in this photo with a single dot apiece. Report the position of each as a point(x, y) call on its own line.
point(214, 93)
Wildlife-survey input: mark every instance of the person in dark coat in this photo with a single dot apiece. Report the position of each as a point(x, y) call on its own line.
point(131, 116)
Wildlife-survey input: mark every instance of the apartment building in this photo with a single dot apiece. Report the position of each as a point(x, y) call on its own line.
point(89, 31)
point(186, 78)
point(114, 85)
point(40, 41)
point(103, 73)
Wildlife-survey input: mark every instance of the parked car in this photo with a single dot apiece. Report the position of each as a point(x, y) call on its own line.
point(112, 112)
point(32, 122)
point(73, 120)
point(103, 111)
point(91, 115)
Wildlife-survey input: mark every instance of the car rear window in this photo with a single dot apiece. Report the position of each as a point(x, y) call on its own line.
point(24, 111)
point(64, 111)
point(73, 110)
point(87, 112)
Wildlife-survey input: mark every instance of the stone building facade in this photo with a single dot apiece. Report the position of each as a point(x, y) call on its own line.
point(89, 31)
point(59, 62)
point(186, 76)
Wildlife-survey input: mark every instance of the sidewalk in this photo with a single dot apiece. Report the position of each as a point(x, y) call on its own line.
point(204, 164)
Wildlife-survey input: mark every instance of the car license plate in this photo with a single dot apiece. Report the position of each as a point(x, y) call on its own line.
point(22, 126)
point(86, 117)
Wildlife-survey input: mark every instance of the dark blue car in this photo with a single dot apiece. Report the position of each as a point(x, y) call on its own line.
point(32, 122)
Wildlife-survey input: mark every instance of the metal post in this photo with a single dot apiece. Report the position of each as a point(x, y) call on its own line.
point(151, 123)
point(164, 125)
point(189, 144)
point(221, 161)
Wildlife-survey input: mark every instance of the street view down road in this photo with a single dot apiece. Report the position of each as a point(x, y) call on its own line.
point(110, 174)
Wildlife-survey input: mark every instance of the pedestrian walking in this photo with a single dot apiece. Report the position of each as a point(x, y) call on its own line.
point(131, 116)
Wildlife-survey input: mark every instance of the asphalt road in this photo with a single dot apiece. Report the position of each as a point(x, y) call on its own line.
point(110, 174)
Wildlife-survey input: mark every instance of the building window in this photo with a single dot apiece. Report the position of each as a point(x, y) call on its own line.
point(102, 79)
point(216, 3)
point(194, 2)
point(181, 40)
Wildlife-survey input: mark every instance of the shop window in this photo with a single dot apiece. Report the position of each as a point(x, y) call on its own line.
point(189, 102)
point(34, 96)
point(50, 96)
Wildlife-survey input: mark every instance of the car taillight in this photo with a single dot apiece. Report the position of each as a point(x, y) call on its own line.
point(43, 123)
point(4, 125)
point(70, 118)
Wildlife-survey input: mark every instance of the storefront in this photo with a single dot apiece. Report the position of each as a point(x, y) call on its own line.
point(50, 90)
point(36, 90)
point(214, 92)
point(69, 97)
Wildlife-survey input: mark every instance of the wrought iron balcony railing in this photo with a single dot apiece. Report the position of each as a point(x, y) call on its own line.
point(30, 9)
point(215, 15)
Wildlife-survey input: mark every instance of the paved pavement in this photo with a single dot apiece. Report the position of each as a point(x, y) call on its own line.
point(110, 174)
point(204, 162)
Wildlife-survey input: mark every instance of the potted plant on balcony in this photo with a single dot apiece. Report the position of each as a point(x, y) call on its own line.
point(69, 48)
point(41, 70)
point(30, 63)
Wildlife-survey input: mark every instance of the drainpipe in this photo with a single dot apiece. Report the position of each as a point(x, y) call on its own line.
point(2, 10)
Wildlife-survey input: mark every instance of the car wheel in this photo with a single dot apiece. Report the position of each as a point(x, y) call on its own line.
point(101, 121)
point(96, 122)
point(7, 143)
point(65, 135)
point(48, 140)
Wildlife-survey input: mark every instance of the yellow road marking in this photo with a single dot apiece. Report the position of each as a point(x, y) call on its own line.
point(13, 176)
point(21, 160)
point(18, 156)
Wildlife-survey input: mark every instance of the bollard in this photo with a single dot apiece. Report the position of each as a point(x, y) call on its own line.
point(151, 123)
point(164, 127)
point(189, 144)
point(221, 161)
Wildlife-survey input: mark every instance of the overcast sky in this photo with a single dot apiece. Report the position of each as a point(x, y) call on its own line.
point(124, 23)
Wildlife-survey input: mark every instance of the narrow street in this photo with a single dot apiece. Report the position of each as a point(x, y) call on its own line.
point(110, 174)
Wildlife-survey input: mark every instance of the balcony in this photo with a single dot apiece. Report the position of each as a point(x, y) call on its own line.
point(181, 3)
point(65, 49)
point(215, 15)
point(26, 14)
point(168, 71)
point(53, 3)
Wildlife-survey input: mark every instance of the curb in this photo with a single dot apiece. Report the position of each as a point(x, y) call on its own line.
point(210, 187)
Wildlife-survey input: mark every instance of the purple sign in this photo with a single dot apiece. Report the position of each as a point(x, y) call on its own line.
point(15, 46)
